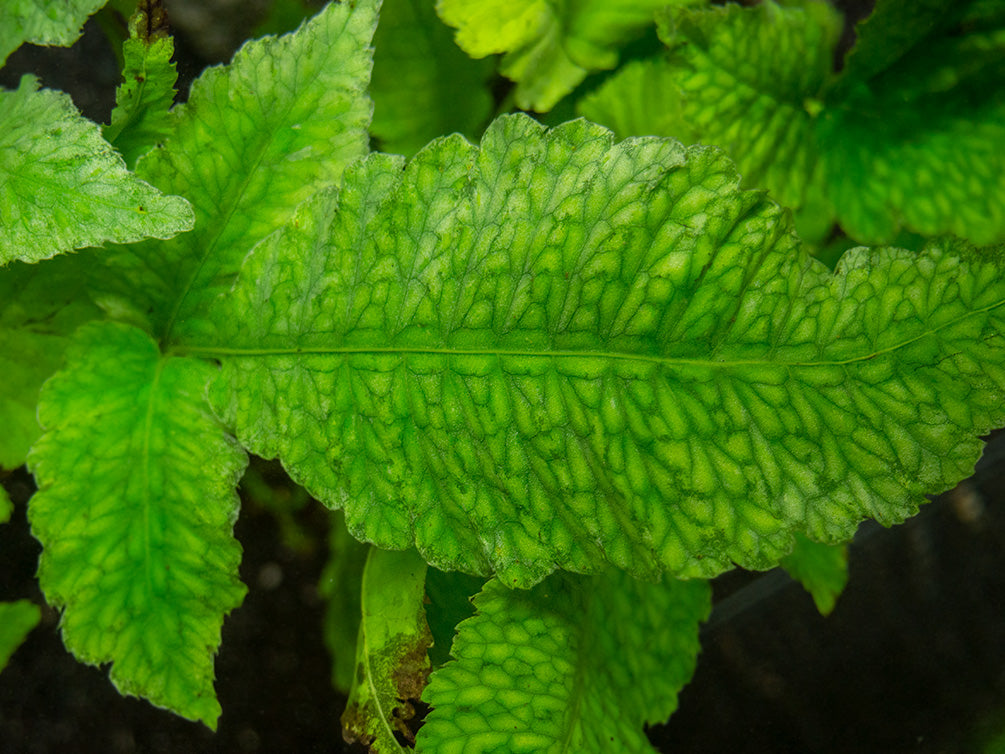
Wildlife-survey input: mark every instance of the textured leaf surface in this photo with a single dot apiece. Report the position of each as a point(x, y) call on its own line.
point(821, 569)
point(255, 138)
point(391, 660)
point(63, 187)
point(575, 664)
point(40, 306)
point(140, 118)
point(550, 46)
point(16, 620)
point(423, 84)
point(554, 351)
point(135, 513)
point(42, 22)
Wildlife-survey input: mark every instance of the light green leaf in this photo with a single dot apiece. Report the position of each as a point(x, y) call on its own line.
point(135, 513)
point(255, 138)
point(576, 664)
point(140, 118)
point(63, 187)
point(391, 660)
point(340, 586)
point(16, 620)
point(550, 46)
point(40, 306)
point(554, 351)
point(821, 569)
point(423, 85)
point(43, 22)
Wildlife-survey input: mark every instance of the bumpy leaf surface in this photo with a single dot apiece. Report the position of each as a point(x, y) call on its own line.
point(255, 138)
point(550, 46)
point(135, 513)
point(16, 620)
point(391, 660)
point(42, 22)
point(423, 84)
point(63, 187)
point(40, 306)
point(821, 569)
point(554, 351)
point(140, 118)
point(575, 664)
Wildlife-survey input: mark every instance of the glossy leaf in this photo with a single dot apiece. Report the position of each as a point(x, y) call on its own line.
point(135, 512)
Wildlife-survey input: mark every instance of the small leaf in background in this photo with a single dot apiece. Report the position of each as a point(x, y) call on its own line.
point(255, 138)
point(43, 22)
point(575, 664)
point(423, 84)
point(63, 187)
point(140, 118)
point(6, 506)
point(135, 512)
point(554, 351)
point(16, 620)
point(549, 48)
point(340, 585)
point(821, 569)
point(391, 660)
point(40, 307)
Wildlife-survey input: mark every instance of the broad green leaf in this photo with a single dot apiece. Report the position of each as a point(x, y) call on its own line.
point(140, 118)
point(340, 585)
point(554, 351)
point(16, 620)
point(575, 664)
point(391, 660)
point(255, 138)
point(63, 187)
point(423, 85)
point(549, 46)
point(135, 513)
point(43, 22)
point(40, 306)
point(821, 569)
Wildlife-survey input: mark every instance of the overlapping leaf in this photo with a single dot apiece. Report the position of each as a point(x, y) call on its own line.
point(255, 138)
point(40, 306)
point(135, 513)
point(821, 569)
point(423, 84)
point(340, 585)
point(63, 187)
point(575, 664)
point(557, 352)
point(43, 22)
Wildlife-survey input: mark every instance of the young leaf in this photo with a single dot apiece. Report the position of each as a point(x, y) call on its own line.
point(63, 187)
point(550, 46)
point(391, 660)
point(40, 306)
point(16, 620)
point(255, 138)
point(140, 118)
point(558, 352)
point(43, 22)
point(423, 85)
point(575, 664)
point(821, 569)
point(135, 513)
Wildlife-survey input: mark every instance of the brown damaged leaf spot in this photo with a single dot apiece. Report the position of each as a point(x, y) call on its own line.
point(150, 21)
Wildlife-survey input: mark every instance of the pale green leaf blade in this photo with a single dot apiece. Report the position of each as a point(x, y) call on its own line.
point(554, 351)
point(42, 22)
point(549, 47)
point(821, 569)
point(140, 118)
point(63, 187)
point(423, 84)
point(16, 620)
point(40, 307)
point(340, 586)
point(255, 138)
point(575, 664)
point(135, 513)
point(391, 660)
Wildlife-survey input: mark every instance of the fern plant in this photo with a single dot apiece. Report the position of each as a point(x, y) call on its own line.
point(574, 374)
